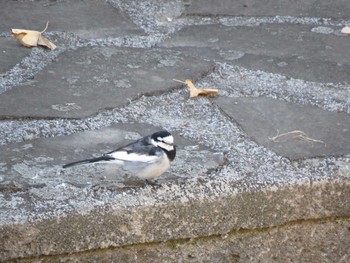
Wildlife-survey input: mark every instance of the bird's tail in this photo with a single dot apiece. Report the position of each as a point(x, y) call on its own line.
point(92, 160)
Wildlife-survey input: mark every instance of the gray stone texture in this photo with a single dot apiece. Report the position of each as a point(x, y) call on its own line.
point(39, 163)
point(87, 18)
point(87, 80)
point(298, 67)
point(264, 118)
point(323, 8)
point(112, 225)
point(321, 241)
point(292, 47)
point(11, 53)
point(232, 194)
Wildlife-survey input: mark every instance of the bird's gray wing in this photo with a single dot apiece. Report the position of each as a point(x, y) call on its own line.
point(142, 151)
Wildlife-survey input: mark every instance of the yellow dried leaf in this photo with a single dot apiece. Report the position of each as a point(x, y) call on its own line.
point(346, 30)
point(31, 38)
point(27, 38)
point(43, 41)
point(194, 92)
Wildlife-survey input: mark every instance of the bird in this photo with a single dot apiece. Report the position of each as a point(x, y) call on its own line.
point(147, 158)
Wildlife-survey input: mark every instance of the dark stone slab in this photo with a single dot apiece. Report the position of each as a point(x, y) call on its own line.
point(269, 39)
point(11, 53)
point(290, 66)
point(88, 19)
point(298, 67)
point(262, 118)
point(323, 8)
point(84, 81)
point(292, 50)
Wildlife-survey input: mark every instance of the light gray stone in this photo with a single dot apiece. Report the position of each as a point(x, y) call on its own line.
point(228, 197)
point(103, 220)
point(304, 241)
point(40, 162)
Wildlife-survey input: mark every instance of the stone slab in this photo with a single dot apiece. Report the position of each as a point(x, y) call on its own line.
point(87, 80)
point(207, 202)
point(11, 53)
point(87, 19)
point(311, 8)
point(272, 40)
point(38, 163)
point(305, 241)
point(296, 67)
point(86, 221)
point(262, 118)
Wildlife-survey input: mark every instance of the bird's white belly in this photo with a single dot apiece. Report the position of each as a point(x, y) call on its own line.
point(154, 170)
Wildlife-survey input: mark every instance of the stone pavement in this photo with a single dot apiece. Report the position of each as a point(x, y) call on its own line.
point(241, 189)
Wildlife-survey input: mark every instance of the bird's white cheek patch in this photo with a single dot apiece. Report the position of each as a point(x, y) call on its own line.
point(165, 146)
point(169, 139)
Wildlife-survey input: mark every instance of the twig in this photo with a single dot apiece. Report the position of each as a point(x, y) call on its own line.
point(183, 82)
point(47, 25)
point(297, 135)
point(308, 139)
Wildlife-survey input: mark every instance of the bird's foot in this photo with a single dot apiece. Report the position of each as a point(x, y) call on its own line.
point(153, 183)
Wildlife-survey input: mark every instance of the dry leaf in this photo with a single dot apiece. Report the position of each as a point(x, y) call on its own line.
point(31, 38)
point(346, 30)
point(194, 92)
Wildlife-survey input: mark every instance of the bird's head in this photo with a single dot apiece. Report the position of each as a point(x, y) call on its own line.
point(165, 141)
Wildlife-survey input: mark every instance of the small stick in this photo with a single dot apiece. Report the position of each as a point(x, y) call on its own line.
point(183, 82)
point(47, 25)
point(285, 134)
point(297, 135)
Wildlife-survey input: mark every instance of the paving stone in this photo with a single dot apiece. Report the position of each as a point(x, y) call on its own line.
point(98, 213)
point(293, 50)
point(11, 53)
point(298, 242)
point(262, 118)
point(272, 40)
point(84, 81)
point(68, 15)
point(323, 8)
point(37, 165)
point(296, 67)
point(73, 221)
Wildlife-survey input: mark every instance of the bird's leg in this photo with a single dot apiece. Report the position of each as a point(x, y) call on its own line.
point(152, 183)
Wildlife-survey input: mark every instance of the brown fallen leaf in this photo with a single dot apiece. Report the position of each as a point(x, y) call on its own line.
point(346, 30)
point(31, 38)
point(194, 92)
